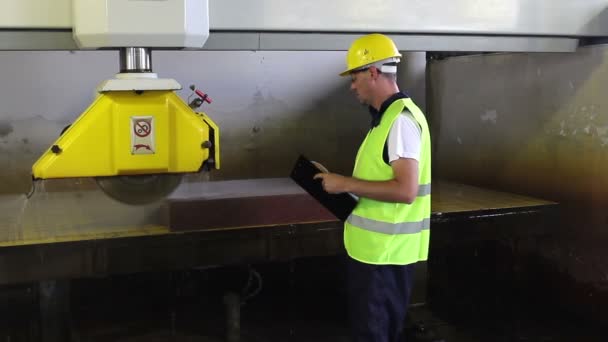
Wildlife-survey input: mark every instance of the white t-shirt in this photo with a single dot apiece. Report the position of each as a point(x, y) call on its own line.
point(404, 138)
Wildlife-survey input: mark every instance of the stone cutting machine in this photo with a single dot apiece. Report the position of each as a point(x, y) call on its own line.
point(138, 137)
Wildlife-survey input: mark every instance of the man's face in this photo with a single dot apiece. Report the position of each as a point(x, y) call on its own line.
point(360, 85)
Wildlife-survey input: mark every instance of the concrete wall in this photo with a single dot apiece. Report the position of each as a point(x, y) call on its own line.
point(535, 124)
point(270, 106)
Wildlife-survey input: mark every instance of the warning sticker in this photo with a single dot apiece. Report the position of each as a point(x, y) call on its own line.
point(142, 127)
point(142, 135)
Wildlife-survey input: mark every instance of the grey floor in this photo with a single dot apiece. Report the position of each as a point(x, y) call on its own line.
point(300, 301)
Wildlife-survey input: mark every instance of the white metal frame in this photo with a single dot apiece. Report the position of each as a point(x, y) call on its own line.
point(429, 25)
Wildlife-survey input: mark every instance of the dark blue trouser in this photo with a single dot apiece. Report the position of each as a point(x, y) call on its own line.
point(378, 297)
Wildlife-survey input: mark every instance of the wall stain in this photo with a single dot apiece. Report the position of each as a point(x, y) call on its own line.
point(5, 128)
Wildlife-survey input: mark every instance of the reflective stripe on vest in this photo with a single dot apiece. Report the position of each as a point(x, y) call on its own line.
point(424, 189)
point(389, 228)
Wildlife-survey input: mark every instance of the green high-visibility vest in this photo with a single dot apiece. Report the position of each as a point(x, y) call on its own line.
point(390, 233)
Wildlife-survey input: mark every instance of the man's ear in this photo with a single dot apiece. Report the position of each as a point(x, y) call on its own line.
point(374, 72)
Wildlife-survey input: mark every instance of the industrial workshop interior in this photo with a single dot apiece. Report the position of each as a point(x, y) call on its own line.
point(149, 153)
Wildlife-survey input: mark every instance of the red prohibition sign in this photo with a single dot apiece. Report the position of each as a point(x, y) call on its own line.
point(142, 128)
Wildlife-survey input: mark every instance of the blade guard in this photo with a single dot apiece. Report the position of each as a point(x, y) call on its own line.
point(132, 133)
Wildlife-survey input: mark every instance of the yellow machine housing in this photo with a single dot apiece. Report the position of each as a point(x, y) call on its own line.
point(132, 133)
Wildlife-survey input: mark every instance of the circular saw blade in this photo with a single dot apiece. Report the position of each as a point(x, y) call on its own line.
point(140, 189)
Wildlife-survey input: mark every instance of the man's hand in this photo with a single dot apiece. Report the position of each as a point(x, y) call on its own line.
point(403, 188)
point(333, 183)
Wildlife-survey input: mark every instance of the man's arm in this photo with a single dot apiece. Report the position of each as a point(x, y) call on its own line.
point(401, 189)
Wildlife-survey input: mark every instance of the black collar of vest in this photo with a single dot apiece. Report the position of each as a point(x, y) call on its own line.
point(377, 114)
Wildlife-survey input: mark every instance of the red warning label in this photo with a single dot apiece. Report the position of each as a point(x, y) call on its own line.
point(142, 127)
point(142, 135)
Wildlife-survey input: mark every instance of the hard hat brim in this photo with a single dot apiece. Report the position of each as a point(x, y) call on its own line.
point(396, 58)
point(346, 72)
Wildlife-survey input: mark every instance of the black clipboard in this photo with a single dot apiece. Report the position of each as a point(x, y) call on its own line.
point(341, 205)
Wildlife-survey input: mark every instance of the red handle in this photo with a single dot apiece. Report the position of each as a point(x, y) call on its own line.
point(203, 96)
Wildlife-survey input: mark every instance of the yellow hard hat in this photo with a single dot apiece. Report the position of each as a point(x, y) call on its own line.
point(369, 49)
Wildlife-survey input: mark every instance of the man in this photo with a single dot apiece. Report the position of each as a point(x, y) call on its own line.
point(388, 231)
